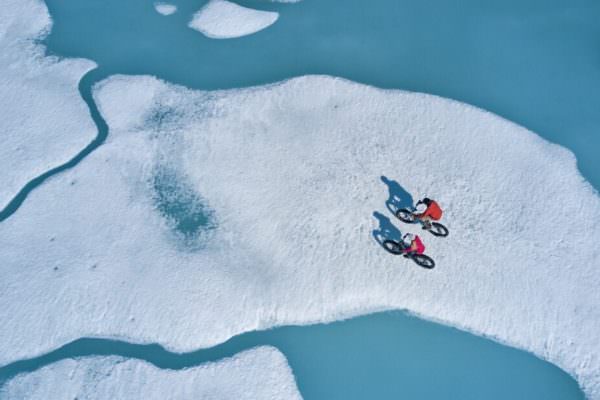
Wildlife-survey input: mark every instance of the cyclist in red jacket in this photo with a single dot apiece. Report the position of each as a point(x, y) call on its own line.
point(432, 212)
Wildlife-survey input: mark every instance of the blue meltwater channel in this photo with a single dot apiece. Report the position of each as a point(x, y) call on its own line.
point(534, 62)
point(387, 355)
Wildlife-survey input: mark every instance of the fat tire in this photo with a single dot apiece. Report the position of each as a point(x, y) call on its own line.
point(424, 261)
point(392, 246)
point(438, 229)
point(405, 215)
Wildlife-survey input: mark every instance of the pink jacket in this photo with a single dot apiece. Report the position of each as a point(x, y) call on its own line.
point(418, 243)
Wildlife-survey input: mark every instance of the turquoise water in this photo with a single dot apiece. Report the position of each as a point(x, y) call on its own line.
point(534, 62)
point(380, 356)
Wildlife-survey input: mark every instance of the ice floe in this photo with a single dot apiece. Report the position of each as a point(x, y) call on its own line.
point(222, 19)
point(292, 175)
point(260, 373)
point(43, 120)
point(165, 8)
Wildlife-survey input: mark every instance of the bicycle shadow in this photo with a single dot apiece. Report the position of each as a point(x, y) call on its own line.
point(386, 230)
point(398, 196)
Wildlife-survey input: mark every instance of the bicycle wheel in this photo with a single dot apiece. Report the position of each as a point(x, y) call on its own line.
point(405, 215)
point(438, 229)
point(424, 261)
point(392, 246)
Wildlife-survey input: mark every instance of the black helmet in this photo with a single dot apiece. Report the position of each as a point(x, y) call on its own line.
point(427, 201)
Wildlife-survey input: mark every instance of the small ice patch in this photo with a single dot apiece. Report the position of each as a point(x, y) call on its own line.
point(165, 8)
point(222, 19)
point(260, 373)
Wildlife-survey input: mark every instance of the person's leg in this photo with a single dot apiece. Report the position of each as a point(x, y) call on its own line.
point(426, 222)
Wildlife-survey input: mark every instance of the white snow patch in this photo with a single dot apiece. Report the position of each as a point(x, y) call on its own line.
point(165, 8)
point(292, 172)
point(43, 120)
point(222, 19)
point(260, 373)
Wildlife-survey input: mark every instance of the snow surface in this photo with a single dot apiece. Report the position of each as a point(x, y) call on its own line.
point(222, 19)
point(165, 8)
point(260, 373)
point(292, 173)
point(43, 120)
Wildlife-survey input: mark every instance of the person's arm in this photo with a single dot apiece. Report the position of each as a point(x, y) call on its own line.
point(411, 248)
point(406, 248)
point(425, 213)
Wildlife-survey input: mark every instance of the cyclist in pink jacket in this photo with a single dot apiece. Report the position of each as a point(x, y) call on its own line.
point(413, 243)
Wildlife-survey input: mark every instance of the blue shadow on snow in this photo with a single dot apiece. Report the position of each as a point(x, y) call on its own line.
point(398, 196)
point(386, 230)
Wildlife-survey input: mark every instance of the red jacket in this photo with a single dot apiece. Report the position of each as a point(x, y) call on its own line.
point(433, 211)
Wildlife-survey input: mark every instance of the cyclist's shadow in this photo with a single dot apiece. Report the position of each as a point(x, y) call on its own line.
point(398, 197)
point(386, 230)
